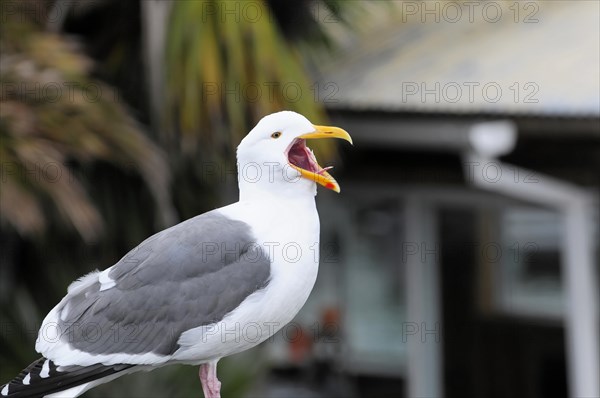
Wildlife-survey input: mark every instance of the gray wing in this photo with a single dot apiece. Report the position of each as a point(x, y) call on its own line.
point(190, 275)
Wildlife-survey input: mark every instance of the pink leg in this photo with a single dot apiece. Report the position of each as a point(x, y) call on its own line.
point(208, 377)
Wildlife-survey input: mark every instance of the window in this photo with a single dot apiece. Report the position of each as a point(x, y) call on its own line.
point(367, 234)
point(529, 273)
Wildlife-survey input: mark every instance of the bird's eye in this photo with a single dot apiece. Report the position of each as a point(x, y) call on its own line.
point(276, 134)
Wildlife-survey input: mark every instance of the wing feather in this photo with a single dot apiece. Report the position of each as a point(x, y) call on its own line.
point(187, 276)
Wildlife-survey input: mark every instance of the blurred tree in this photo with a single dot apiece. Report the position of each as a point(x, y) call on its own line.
point(227, 65)
point(73, 162)
point(54, 115)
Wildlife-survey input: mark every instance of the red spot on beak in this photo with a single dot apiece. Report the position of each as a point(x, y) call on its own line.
point(330, 185)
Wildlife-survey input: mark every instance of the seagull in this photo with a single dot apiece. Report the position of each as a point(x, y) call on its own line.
point(209, 287)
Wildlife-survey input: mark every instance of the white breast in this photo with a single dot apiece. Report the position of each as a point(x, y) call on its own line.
point(289, 232)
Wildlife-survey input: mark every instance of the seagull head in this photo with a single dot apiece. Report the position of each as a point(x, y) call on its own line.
point(274, 155)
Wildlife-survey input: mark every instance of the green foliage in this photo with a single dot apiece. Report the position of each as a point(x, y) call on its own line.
point(53, 116)
point(226, 71)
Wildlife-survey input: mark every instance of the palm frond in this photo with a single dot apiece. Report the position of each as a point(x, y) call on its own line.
point(226, 71)
point(54, 116)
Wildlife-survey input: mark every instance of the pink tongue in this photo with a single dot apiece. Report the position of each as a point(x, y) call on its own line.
point(299, 155)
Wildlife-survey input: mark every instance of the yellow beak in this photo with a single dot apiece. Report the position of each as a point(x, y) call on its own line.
point(328, 132)
point(322, 176)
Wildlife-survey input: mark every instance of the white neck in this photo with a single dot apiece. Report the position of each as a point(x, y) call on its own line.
point(261, 182)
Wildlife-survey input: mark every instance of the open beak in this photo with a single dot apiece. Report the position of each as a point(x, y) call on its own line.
point(302, 159)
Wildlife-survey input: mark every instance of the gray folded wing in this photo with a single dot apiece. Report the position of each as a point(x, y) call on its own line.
point(190, 275)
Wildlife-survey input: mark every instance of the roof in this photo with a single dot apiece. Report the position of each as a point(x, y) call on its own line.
point(543, 60)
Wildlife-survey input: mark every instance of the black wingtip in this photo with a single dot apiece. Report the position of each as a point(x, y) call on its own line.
point(42, 377)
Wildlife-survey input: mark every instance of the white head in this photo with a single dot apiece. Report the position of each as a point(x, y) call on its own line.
point(273, 157)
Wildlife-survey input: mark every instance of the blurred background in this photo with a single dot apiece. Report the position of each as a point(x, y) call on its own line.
point(460, 259)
